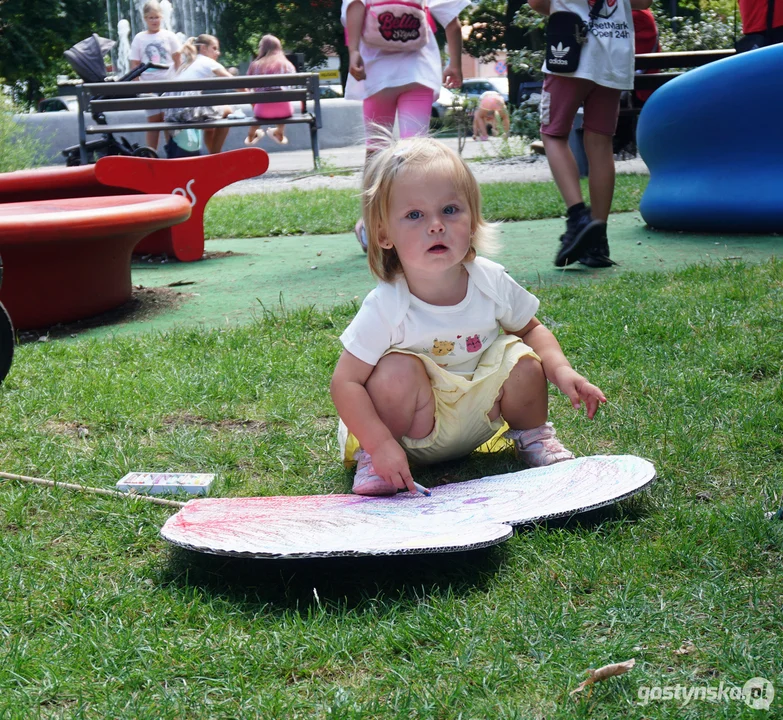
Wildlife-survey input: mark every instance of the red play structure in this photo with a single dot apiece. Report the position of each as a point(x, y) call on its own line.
point(196, 179)
point(67, 233)
point(69, 259)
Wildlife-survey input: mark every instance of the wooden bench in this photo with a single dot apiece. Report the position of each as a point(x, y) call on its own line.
point(677, 63)
point(672, 61)
point(98, 100)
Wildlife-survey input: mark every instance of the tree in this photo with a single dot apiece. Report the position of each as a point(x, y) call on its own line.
point(33, 36)
point(311, 27)
point(494, 28)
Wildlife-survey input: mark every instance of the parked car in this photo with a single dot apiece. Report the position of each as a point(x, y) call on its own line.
point(442, 106)
point(474, 87)
point(61, 103)
point(329, 92)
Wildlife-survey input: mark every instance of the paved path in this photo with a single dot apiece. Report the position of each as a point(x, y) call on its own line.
point(294, 169)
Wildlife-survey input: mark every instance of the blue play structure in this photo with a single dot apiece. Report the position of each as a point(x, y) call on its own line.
point(713, 141)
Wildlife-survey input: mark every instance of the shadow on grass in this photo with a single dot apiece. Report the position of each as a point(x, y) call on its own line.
point(339, 583)
point(389, 583)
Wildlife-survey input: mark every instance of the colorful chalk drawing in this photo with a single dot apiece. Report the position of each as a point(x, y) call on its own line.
point(461, 516)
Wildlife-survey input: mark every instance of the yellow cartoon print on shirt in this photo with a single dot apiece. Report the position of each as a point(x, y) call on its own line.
point(441, 347)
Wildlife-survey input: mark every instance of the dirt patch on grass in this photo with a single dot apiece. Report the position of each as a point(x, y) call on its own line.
point(218, 254)
point(325, 423)
point(145, 303)
point(231, 424)
point(143, 260)
point(70, 429)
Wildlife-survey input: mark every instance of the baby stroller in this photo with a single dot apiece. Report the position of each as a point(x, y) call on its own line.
point(86, 58)
point(6, 336)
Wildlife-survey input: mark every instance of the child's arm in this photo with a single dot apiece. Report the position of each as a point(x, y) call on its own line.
point(505, 120)
point(541, 7)
point(558, 370)
point(452, 74)
point(354, 23)
point(357, 411)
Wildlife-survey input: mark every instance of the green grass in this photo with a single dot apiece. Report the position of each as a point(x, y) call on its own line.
point(101, 618)
point(324, 211)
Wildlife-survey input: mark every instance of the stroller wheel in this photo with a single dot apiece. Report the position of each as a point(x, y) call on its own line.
point(6, 342)
point(144, 152)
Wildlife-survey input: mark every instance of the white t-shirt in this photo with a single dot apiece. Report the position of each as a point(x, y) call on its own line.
point(202, 67)
point(389, 69)
point(156, 47)
point(608, 55)
point(453, 336)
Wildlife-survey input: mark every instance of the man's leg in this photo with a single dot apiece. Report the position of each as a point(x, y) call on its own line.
point(560, 99)
point(600, 155)
point(564, 169)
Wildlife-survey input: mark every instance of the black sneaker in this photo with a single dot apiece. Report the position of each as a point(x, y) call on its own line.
point(581, 233)
point(598, 255)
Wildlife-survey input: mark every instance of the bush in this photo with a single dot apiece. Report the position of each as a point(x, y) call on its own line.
point(710, 32)
point(17, 150)
point(525, 119)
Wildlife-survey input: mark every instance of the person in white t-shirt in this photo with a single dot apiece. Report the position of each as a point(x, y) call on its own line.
point(201, 61)
point(158, 46)
point(606, 68)
point(446, 352)
point(400, 84)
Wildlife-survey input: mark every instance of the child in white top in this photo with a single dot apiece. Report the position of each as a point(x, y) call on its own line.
point(158, 46)
point(401, 84)
point(425, 373)
point(201, 61)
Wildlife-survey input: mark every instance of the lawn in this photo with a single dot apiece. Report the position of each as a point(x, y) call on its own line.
point(324, 211)
point(101, 618)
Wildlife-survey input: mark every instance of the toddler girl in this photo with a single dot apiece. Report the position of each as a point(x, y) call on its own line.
point(271, 60)
point(426, 374)
point(158, 46)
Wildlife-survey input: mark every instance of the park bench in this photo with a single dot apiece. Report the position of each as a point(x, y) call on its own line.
point(675, 62)
point(100, 100)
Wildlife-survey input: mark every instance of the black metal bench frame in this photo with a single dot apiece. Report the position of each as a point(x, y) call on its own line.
point(97, 99)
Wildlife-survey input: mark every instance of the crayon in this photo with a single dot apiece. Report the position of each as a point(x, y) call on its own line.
point(422, 489)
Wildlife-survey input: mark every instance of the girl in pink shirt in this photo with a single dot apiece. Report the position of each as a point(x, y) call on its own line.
point(271, 60)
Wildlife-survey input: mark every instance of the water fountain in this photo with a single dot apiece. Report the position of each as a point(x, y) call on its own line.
point(123, 47)
point(166, 9)
point(183, 17)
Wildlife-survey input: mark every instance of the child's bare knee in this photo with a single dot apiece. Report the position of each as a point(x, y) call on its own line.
point(396, 373)
point(529, 368)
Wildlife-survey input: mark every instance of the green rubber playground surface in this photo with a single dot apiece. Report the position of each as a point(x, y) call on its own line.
point(240, 278)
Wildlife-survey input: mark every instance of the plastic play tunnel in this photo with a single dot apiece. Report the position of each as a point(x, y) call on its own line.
point(713, 141)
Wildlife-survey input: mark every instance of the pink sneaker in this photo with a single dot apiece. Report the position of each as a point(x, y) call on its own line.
point(366, 482)
point(538, 447)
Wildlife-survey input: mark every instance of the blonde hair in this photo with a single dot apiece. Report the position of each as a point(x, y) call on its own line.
point(192, 46)
point(423, 155)
point(151, 6)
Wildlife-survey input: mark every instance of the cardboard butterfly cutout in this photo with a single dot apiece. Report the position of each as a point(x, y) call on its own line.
point(456, 517)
